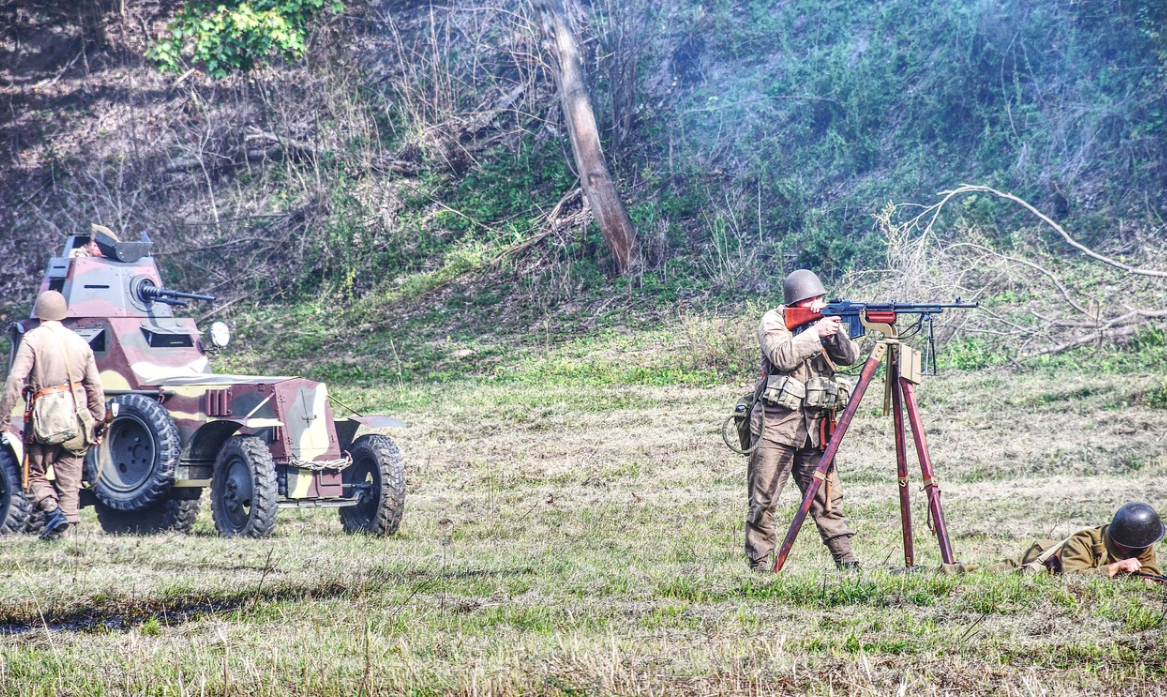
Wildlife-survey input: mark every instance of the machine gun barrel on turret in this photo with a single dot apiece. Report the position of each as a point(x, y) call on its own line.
point(148, 292)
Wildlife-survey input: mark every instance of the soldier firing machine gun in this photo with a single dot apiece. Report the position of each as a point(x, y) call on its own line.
point(903, 374)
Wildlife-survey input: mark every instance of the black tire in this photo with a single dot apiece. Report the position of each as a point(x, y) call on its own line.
point(244, 499)
point(378, 469)
point(164, 516)
point(15, 508)
point(138, 457)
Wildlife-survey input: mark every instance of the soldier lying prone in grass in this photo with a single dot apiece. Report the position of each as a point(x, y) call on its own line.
point(1124, 547)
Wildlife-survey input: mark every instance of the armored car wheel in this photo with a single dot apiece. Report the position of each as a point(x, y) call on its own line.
point(244, 498)
point(15, 508)
point(138, 457)
point(164, 516)
point(378, 475)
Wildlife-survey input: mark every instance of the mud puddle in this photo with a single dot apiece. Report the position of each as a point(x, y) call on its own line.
point(127, 616)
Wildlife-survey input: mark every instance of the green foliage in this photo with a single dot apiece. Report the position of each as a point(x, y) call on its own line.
point(505, 187)
point(826, 110)
point(229, 36)
point(1146, 350)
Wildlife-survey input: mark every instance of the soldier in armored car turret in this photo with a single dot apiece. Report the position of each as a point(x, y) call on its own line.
point(101, 243)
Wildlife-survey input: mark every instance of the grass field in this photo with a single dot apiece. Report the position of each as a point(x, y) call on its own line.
point(584, 539)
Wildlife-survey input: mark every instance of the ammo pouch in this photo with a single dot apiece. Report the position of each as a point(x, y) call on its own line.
point(784, 391)
point(827, 394)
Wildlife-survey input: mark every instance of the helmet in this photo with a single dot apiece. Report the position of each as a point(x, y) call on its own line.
point(1136, 525)
point(800, 285)
point(50, 305)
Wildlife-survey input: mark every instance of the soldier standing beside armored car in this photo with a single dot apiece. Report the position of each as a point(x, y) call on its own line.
point(791, 432)
point(54, 358)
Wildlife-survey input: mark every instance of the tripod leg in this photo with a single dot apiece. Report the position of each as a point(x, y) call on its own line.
point(820, 472)
point(930, 484)
point(902, 462)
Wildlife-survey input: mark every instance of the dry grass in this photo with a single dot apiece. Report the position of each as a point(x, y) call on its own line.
point(576, 540)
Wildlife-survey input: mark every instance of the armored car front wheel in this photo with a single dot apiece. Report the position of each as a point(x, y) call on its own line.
point(15, 508)
point(136, 461)
point(377, 476)
point(244, 497)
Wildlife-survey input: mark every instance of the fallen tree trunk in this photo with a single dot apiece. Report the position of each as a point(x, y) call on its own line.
point(595, 179)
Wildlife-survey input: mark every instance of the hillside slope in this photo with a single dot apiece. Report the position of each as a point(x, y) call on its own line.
point(415, 157)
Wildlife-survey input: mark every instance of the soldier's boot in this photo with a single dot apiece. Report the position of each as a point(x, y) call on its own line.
point(55, 524)
point(840, 548)
point(761, 566)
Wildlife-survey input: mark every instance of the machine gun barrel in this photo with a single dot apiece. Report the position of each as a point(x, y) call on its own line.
point(149, 292)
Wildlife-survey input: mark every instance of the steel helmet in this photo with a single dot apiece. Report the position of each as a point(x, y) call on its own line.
point(800, 285)
point(51, 305)
point(1136, 525)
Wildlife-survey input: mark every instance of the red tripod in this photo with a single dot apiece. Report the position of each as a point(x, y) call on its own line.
point(903, 374)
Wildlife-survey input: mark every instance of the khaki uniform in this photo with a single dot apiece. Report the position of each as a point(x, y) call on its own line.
point(791, 440)
point(40, 362)
point(1086, 552)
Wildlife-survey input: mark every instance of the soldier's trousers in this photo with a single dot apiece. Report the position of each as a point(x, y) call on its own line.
point(770, 467)
point(65, 490)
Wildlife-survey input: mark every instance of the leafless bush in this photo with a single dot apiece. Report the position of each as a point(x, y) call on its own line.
point(726, 346)
point(732, 259)
point(1034, 300)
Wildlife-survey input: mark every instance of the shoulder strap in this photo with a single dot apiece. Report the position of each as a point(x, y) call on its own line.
point(1039, 563)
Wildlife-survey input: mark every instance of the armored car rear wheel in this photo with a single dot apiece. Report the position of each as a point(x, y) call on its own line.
point(15, 508)
point(244, 497)
point(378, 476)
point(138, 457)
point(164, 516)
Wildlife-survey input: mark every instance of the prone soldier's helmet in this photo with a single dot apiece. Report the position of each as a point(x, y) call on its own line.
point(51, 305)
point(1136, 525)
point(800, 285)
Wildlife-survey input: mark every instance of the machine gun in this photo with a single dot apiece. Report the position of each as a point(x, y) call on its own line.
point(883, 313)
point(147, 292)
point(857, 315)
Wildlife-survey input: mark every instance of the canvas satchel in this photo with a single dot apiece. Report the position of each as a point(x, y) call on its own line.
point(54, 419)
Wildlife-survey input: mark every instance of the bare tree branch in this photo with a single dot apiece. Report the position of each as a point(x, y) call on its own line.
point(972, 188)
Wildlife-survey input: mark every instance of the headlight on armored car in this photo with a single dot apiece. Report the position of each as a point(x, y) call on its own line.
point(220, 334)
